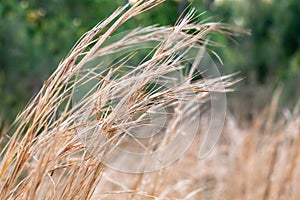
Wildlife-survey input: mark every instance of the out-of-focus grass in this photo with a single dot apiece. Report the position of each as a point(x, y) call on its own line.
point(260, 161)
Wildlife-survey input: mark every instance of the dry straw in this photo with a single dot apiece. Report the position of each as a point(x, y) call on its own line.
point(45, 157)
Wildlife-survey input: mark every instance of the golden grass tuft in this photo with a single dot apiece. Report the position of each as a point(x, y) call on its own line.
point(46, 156)
point(248, 163)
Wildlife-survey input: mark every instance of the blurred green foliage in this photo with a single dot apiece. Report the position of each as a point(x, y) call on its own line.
point(271, 55)
point(36, 34)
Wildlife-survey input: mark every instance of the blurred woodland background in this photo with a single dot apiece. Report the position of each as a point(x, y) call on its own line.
point(36, 34)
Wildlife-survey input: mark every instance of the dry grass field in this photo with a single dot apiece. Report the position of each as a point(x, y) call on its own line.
point(260, 161)
point(49, 152)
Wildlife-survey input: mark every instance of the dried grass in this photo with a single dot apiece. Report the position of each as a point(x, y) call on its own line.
point(252, 163)
point(45, 158)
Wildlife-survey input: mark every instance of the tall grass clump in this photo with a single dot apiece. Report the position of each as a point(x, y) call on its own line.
point(100, 92)
point(264, 163)
point(260, 161)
